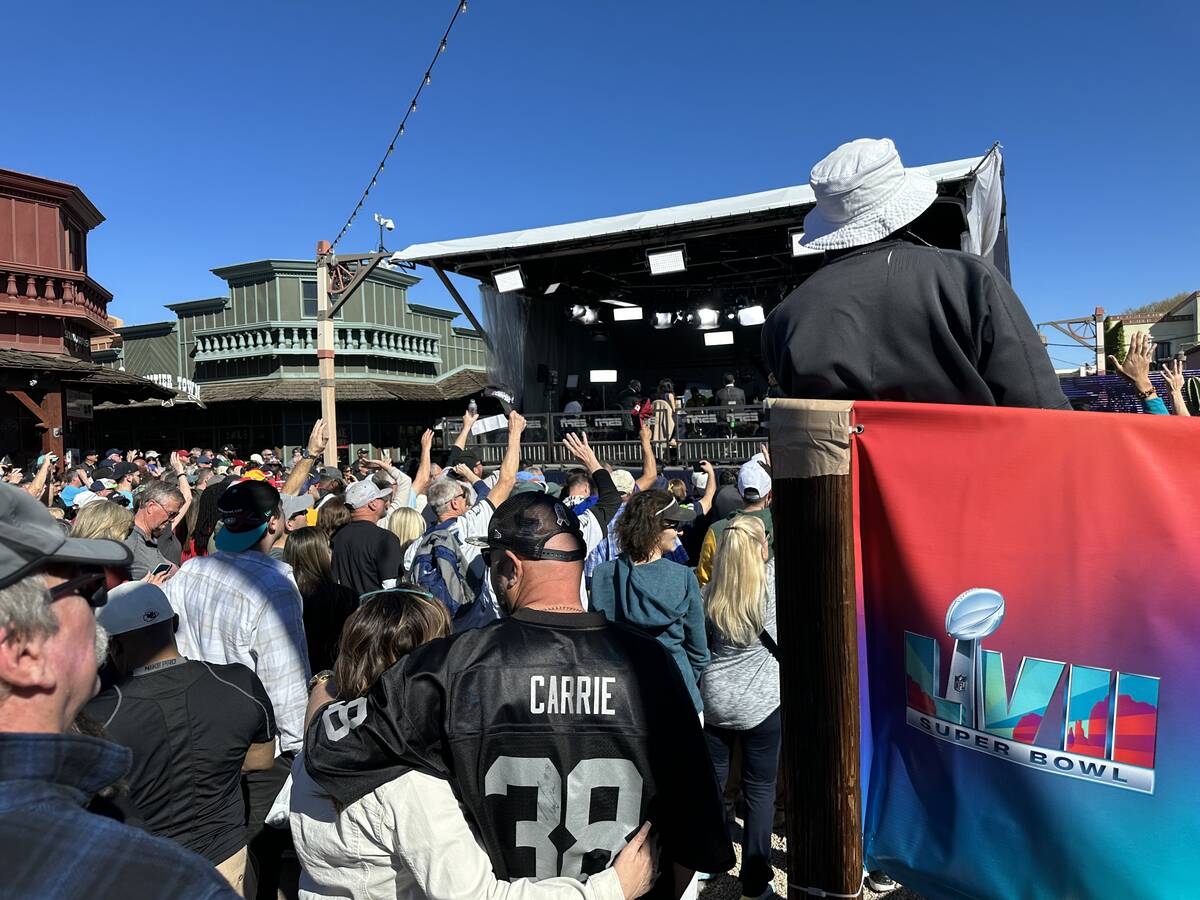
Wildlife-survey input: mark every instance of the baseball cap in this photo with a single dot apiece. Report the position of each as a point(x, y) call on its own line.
point(363, 492)
point(256, 457)
point(151, 454)
point(245, 508)
point(204, 460)
point(83, 498)
point(113, 451)
point(184, 453)
point(134, 605)
point(468, 458)
point(87, 453)
point(30, 538)
point(525, 522)
point(121, 469)
point(624, 481)
point(293, 506)
point(753, 482)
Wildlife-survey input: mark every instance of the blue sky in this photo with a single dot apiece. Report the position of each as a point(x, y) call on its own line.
point(222, 132)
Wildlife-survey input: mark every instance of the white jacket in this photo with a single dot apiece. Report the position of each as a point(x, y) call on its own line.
point(408, 840)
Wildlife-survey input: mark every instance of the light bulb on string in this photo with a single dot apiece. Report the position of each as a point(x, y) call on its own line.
point(442, 46)
point(413, 108)
point(428, 79)
point(462, 7)
point(401, 131)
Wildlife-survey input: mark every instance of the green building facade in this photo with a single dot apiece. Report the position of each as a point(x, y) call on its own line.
point(245, 365)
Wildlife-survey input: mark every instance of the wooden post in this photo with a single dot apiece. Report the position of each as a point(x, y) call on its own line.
point(818, 640)
point(325, 372)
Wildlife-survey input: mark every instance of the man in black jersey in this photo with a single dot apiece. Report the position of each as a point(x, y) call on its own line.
point(560, 731)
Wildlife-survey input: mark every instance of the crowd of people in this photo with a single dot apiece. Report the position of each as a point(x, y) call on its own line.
point(245, 594)
point(230, 674)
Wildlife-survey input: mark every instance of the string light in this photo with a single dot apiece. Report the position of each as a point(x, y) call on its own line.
point(426, 79)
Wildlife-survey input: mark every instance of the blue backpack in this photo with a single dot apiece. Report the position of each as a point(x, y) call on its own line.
point(439, 568)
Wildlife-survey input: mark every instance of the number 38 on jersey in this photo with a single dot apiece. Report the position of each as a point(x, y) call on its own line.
point(573, 826)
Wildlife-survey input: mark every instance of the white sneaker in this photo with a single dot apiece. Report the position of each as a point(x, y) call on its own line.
point(881, 883)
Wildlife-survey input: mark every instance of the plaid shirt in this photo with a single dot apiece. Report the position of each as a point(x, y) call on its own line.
point(52, 848)
point(245, 608)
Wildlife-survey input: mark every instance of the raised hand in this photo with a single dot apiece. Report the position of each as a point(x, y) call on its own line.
point(577, 445)
point(427, 439)
point(516, 423)
point(1172, 372)
point(1136, 368)
point(318, 438)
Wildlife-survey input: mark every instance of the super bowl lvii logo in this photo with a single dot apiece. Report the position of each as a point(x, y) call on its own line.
point(1110, 719)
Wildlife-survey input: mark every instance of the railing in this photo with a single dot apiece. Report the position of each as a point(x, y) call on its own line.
point(275, 338)
point(51, 293)
point(719, 434)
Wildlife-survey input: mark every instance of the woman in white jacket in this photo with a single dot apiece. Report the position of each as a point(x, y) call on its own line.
point(409, 839)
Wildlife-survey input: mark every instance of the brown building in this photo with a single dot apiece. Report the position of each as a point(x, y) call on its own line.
point(50, 310)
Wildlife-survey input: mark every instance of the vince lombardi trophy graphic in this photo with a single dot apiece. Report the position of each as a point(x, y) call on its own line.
point(972, 616)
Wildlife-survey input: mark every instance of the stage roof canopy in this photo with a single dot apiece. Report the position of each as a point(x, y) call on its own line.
point(732, 242)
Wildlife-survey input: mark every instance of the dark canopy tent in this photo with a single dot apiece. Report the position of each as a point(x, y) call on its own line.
point(738, 251)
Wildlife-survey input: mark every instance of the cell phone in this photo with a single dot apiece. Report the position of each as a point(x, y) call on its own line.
point(162, 569)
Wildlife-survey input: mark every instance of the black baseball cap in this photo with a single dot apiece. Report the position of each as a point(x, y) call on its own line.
point(245, 508)
point(469, 458)
point(121, 469)
point(526, 522)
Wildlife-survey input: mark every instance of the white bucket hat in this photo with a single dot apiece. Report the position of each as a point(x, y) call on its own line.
point(864, 193)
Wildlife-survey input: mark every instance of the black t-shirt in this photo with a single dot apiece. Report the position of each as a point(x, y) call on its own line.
point(572, 726)
point(365, 555)
point(189, 726)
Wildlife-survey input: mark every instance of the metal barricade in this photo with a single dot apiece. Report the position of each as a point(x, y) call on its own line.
point(723, 434)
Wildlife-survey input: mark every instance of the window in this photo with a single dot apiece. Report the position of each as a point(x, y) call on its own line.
point(308, 301)
point(1162, 351)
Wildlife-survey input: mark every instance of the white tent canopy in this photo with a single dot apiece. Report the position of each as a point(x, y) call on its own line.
point(763, 201)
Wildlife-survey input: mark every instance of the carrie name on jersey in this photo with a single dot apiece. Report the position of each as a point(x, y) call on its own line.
point(584, 695)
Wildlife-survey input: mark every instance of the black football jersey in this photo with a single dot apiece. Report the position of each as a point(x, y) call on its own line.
point(560, 732)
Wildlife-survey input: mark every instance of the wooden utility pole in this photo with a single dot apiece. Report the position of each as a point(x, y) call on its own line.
point(818, 640)
point(325, 352)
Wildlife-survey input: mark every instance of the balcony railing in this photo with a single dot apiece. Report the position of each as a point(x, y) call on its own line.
point(300, 338)
point(721, 434)
point(23, 290)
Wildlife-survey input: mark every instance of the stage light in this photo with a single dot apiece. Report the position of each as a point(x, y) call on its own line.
point(707, 319)
point(509, 279)
point(584, 315)
point(751, 315)
point(665, 260)
point(551, 288)
point(799, 249)
point(718, 338)
point(617, 301)
point(603, 376)
point(664, 320)
point(627, 314)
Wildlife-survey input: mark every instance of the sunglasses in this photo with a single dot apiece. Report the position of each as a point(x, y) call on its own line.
point(90, 584)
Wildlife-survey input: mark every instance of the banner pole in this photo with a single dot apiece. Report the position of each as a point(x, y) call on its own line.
point(812, 509)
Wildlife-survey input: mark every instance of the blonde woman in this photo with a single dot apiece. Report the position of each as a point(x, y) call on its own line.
point(741, 685)
point(406, 524)
point(103, 519)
